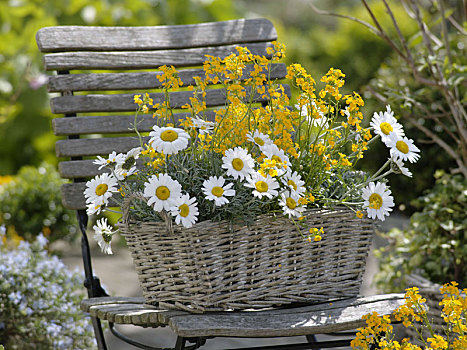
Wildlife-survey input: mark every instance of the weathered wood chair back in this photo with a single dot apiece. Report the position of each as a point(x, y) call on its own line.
point(110, 65)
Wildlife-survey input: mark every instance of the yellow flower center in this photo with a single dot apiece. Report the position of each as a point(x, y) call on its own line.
point(169, 135)
point(217, 191)
point(402, 146)
point(291, 203)
point(184, 210)
point(386, 128)
point(107, 236)
point(261, 186)
point(237, 164)
point(162, 192)
point(376, 201)
point(259, 141)
point(277, 159)
point(101, 189)
point(293, 184)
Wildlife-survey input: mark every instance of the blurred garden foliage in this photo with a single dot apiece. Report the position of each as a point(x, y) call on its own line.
point(30, 203)
point(435, 242)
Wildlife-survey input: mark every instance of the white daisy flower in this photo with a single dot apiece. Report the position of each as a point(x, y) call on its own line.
point(274, 153)
point(289, 202)
point(162, 191)
point(215, 190)
point(377, 200)
point(112, 160)
point(238, 162)
point(294, 182)
point(94, 208)
point(100, 189)
point(103, 235)
point(263, 186)
point(259, 138)
point(168, 140)
point(127, 166)
point(397, 167)
point(185, 210)
point(403, 148)
point(203, 126)
point(384, 123)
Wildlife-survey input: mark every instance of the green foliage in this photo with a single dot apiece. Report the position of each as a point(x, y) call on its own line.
point(31, 203)
point(435, 241)
point(426, 84)
point(39, 299)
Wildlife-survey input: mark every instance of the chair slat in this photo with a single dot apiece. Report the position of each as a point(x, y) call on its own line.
point(74, 38)
point(111, 124)
point(125, 102)
point(72, 195)
point(136, 81)
point(93, 147)
point(75, 169)
point(296, 322)
point(143, 59)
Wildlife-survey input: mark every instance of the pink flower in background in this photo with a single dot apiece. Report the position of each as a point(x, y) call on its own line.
point(38, 81)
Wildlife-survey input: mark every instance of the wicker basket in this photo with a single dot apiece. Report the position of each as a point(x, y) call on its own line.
point(216, 266)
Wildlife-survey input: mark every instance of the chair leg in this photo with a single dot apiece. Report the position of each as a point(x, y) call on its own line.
point(91, 283)
point(98, 333)
point(311, 338)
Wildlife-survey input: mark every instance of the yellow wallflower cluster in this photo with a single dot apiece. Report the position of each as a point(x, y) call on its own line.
point(413, 313)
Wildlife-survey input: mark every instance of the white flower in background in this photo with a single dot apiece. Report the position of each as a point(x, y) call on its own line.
point(289, 202)
point(274, 153)
point(294, 182)
point(203, 126)
point(112, 160)
point(162, 192)
point(238, 163)
point(403, 148)
point(41, 240)
point(127, 165)
point(168, 140)
point(259, 138)
point(397, 167)
point(263, 186)
point(215, 190)
point(306, 113)
point(384, 123)
point(185, 210)
point(100, 189)
point(103, 234)
point(377, 200)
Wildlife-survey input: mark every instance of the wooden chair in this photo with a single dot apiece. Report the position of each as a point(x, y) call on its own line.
point(90, 118)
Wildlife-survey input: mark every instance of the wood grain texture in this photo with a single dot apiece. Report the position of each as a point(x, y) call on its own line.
point(125, 103)
point(340, 315)
point(136, 81)
point(74, 38)
point(93, 147)
point(73, 196)
point(143, 59)
point(110, 124)
point(294, 322)
point(74, 169)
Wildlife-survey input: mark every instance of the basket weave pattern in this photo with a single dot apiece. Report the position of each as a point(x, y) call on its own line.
point(217, 266)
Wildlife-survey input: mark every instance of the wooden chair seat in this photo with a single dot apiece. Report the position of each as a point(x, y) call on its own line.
point(329, 317)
